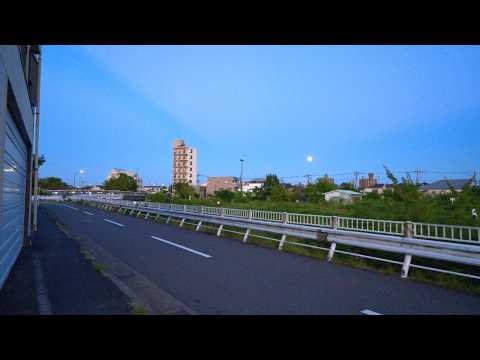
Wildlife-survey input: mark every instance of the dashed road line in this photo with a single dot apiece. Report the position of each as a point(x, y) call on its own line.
point(113, 222)
point(369, 312)
point(71, 207)
point(181, 247)
point(87, 213)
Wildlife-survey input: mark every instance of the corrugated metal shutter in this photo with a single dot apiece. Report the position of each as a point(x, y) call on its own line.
point(13, 204)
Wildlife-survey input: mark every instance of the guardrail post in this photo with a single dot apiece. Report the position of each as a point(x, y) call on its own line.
point(219, 230)
point(282, 241)
point(331, 252)
point(168, 220)
point(285, 217)
point(198, 226)
point(406, 265)
point(334, 223)
point(139, 212)
point(181, 222)
point(245, 237)
point(408, 229)
point(147, 215)
point(156, 217)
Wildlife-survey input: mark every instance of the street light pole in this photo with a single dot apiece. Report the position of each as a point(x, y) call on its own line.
point(74, 175)
point(241, 176)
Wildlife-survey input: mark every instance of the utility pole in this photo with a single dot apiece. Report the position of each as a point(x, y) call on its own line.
point(417, 176)
point(355, 179)
point(308, 178)
point(241, 176)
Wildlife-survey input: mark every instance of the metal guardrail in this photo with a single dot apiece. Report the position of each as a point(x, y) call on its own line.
point(389, 236)
point(455, 233)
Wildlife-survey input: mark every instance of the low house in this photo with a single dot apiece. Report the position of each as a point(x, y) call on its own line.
point(253, 184)
point(377, 188)
point(347, 196)
point(441, 186)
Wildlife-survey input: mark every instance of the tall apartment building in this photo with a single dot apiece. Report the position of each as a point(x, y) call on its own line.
point(184, 163)
point(19, 111)
point(368, 182)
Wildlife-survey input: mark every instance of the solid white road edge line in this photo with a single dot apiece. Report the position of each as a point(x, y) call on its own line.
point(369, 312)
point(181, 247)
point(113, 222)
point(87, 213)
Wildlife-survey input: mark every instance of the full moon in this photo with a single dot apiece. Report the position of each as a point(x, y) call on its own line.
point(309, 158)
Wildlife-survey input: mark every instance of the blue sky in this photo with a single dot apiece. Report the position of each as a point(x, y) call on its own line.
point(350, 107)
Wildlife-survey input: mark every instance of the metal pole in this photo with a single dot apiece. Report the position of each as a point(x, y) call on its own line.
point(37, 131)
point(241, 176)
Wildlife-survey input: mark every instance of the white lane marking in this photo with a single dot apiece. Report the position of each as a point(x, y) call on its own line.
point(181, 247)
point(113, 222)
point(87, 213)
point(369, 312)
point(71, 207)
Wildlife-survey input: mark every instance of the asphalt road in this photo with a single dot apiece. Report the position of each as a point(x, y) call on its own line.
point(216, 275)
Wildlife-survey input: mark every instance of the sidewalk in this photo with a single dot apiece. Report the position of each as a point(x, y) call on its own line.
point(53, 277)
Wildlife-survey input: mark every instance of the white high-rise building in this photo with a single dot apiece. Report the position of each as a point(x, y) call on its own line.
point(184, 163)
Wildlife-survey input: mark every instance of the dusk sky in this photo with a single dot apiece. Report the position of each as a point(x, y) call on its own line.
point(350, 107)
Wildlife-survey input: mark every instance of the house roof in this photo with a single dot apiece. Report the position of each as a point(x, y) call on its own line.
point(346, 192)
point(457, 184)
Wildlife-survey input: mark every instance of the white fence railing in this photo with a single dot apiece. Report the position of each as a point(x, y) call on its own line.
point(454, 233)
point(371, 225)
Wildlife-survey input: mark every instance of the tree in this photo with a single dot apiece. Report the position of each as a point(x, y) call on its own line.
point(122, 182)
point(271, 180)
point(278, 193)
point(52, 183)
point(160, 196)
point(183, 191)
point(225, 195)
point(347, 186)
point(315, 192)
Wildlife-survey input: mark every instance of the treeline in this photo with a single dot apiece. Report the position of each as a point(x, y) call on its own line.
point(403, 202)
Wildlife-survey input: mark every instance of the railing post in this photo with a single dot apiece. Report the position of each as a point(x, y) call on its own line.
point(334, 222)
point(245, 237)
point(184, 208)
point(168, 220)
point(408, 229)
point(406, 265)
point(198, 226)
point(220, 230)
point(331, 252)
point(250, 214)
point(282, 241)
point(285, 217)
point(201, 209)
point(181, 222)
point(222, 212)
